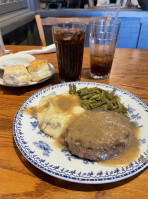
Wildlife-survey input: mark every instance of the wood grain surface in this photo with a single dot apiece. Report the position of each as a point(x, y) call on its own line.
point(20, 179)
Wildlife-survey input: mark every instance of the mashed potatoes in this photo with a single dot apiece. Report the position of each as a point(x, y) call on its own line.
point(54, 112)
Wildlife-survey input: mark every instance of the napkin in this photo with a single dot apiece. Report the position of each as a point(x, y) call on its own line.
point(48, 49)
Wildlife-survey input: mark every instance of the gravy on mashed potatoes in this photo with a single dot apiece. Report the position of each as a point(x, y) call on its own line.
point(54, 112)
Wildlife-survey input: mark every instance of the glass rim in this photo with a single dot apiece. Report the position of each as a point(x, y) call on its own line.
point(57, 25)
point(96, 22)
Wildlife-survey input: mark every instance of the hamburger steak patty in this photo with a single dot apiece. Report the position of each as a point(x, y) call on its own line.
point(98, 135)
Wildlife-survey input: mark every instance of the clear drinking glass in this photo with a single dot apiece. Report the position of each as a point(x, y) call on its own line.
point(69, 40)
point(102, 43)
point(2, 48)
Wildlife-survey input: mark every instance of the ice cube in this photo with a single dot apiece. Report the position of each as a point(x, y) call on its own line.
point(67, 37)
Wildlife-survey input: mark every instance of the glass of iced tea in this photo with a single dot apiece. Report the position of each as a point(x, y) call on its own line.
point(102, 43)
point(69, 40)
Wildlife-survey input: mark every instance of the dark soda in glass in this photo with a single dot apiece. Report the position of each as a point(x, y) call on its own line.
point(101, 65)
point(69, 49)
point(102, 39)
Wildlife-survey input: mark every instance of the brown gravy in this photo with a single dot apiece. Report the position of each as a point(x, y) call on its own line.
point(111, 137)
point(98, 128)
point(126, 157)
point(129, 155)
point(31, 110)
point(57, 144)
point(122, 160)
point(66, 102)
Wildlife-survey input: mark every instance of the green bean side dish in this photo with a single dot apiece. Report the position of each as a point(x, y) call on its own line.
point(98, 99)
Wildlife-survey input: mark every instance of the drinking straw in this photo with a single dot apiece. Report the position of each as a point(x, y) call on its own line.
point(116, 18)
point(108, 19)
point(107, 22)
point(117, 13)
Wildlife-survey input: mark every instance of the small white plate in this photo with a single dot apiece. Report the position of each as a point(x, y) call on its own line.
point(40, 150)
point(15, 59)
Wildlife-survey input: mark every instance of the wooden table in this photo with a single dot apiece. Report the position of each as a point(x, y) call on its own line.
point(20, 179)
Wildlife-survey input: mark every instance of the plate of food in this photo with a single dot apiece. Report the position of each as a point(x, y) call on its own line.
point(84, 132)
point(35, 72)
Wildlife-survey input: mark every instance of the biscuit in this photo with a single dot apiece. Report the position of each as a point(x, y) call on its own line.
point(38, 69)
point(16, 75)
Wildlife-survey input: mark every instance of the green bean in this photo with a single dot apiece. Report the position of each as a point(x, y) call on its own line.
point(89, 101)
point(104, 107)
point(86, 93)
point(72, 89)
point(82, 90)
point(88, 96)
point(85, 105)
point(97, 98)
point(108, 95)
point(96, 105)
point(110, 105)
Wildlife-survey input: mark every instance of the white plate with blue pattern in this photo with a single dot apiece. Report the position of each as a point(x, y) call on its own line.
point(40, 150)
